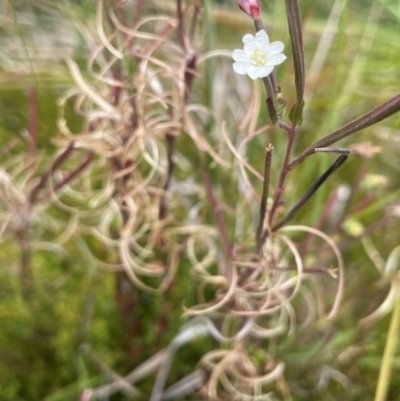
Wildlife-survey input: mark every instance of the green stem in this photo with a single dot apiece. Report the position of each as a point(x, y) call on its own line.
point(390, 349)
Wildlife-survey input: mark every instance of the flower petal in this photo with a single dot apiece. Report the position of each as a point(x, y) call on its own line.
point(253, 71)
point(240, 68)
point(275, 48)
point(275, 60)
point(265, 71)
point(240, 56)
point(262, 39)
point(250, 47)
point(248, 38)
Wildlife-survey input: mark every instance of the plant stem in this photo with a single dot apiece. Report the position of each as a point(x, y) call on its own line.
point(296, 38)
point(75, 173)
point(338, 162)
point(264, 196)
point(259, 25)
point(57, 163)
point(390, 349)
point(285, 169)
point(163, 208)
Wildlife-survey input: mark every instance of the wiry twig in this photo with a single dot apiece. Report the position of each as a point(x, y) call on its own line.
point(75, 173)
point(292, 213)
point(124, 385)
point(181, 26)
point(188, 385)
point(137, 374)
point(381, 112)
point(264, 197)
point(342, 151)
point(285, 169)
point(193, 25)
point(308, 269)
point(170, 140)
point(185, 386)
point(45, 177)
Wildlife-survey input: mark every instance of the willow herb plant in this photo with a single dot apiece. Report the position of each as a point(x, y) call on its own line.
point(164, 184)
point(249, 286)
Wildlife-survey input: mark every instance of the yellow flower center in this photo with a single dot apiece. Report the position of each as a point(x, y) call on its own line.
point(257, 58)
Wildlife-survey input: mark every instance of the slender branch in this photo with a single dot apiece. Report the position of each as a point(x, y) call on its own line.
point(308, 269)
point(285, 169)
point(264, 197)
point(181, 28)
point(385, 373)
point(379, 113)
point(342, 151)
point(170, 140)
point(125, 387)
point(57, 163)
point(338, 162)
point(137, 374)
point(75, 173)
point(271, 107)
point(188, 385)
point(195, 18)
point(189, 76)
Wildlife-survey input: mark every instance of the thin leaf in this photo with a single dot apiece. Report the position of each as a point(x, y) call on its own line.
point(292, 213)
point(378, 114)
point(296, 38)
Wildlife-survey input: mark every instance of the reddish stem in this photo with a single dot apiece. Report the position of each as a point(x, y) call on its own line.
point(181, 28)
point(57, 163)
point(285, 169)
point(74, 173)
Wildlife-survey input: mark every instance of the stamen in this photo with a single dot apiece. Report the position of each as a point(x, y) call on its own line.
point(257, 58)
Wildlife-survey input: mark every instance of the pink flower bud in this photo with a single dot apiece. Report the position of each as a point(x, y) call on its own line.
point(250, 7)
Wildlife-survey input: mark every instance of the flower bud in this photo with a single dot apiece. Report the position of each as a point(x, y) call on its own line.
point(250, 7)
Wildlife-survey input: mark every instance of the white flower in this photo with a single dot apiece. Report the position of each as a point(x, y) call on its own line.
point(258, 57)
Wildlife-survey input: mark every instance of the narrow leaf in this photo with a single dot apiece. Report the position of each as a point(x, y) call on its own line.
point(296, 38)
point(264, 197)
point(378, 114)
point(296, 114)
point(292, 213)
